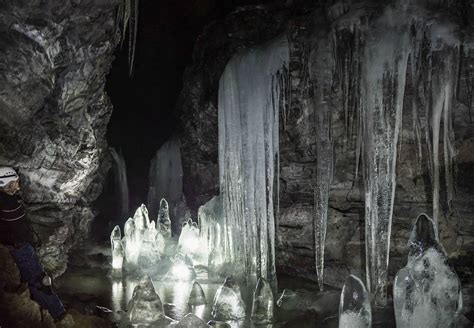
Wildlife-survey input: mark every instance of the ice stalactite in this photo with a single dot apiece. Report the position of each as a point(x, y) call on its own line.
point(434, 76)
point(121, 181)
point(248, 112)
point(166, 177)
point(373, 110)
point(320, 100)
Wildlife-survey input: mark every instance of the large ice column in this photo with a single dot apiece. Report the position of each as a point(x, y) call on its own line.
point(250, 92)
point(121, 181)
point(383, 77)
point(166, 177)
point(427, 291)
point(354, 307)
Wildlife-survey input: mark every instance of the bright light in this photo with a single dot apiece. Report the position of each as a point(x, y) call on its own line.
point(181, 271)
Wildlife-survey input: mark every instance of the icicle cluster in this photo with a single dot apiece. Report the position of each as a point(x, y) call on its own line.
point(372, 61)
point(248, 112)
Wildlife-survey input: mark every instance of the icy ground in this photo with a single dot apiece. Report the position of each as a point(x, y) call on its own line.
point(88, 284)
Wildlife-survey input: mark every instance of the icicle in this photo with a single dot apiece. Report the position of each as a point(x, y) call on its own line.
point(320, 100)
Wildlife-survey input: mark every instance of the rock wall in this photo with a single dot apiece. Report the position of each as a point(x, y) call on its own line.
point(345, 251)
point(54, 57)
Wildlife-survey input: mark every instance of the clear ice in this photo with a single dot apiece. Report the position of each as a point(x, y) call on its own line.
point(182, 268)
point(197, 296)
point(190, 241)
point(250, 93)
point(354, 307)
point(163, 221)
point(212, 233)
point(191, 321)
point(118, 252)
point(228, 303)
point(145, 306)
point(427, 291)
point(263, 303)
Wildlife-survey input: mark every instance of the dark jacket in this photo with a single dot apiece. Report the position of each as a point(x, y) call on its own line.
point(15, 229)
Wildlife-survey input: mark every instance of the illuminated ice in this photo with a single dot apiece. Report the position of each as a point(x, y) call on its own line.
point(197, 296)
point(427, 291)
point(131, 242)
point(181, 269)
point(163, 223)
point(251, 90)
point(145, 307)
point(228, 303)
point(190, 240)
point(262, 305)
point(210, 224)
point(218, 324)
point(118, 252)
point(191, 321)
point(354, 307)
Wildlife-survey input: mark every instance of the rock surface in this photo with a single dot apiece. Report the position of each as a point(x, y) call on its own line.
point(54, 57)
point(345, 249)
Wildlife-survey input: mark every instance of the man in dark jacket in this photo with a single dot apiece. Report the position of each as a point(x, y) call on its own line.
point(17, 235)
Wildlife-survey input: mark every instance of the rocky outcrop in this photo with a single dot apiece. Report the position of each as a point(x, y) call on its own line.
point(345, 250)
point(54, 57)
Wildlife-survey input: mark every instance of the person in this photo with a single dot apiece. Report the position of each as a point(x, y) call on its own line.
point(17, 235)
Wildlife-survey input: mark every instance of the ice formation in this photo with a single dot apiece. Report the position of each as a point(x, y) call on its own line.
point(228, 303)
point(191, 321)
point(262, 304)
point(142, 242)
point(250, 94)
point(166, 174)
point(354, 307)
point(182, 268)
point(190, 241)
point(163, 222)
point(320, 102)
point(118, 252)
point(121, 181)
point(197, 296)
point(212, 233)
point(427, 291)
point(372, 62)
point(145, 306)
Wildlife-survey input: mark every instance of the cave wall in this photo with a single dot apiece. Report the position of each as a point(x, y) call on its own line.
point(309, 27)
point(54, 57)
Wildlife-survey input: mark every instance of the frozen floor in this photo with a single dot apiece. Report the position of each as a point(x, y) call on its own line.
point(88, 284)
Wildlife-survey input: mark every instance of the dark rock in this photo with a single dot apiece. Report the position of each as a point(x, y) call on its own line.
point(54, 112)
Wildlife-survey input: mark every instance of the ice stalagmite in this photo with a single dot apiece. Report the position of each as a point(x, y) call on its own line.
point(354, 307)
point(190, 242)
point(166, 175)
point(145, 306)
point(132, 242)
point(427, 291)
point(197, 296)
point(121, 181)
point(262, 304)
point(250, 92)
point(163, 222)
point(191, 321)
point(117, 248)
point(228, 303)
